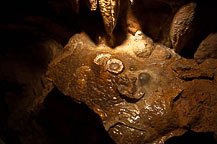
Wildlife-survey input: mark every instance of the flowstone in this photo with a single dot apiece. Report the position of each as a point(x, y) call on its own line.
point(139, 99)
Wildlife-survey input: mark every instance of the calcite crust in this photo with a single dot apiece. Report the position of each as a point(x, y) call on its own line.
point(150, 100)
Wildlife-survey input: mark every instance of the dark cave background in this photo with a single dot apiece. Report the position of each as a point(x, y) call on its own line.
point(32, 33)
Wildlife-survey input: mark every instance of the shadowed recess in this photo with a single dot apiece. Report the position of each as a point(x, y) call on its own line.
point(68, 122)
point(193, 138)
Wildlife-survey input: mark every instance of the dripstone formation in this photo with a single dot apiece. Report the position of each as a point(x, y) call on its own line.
point(137, 74)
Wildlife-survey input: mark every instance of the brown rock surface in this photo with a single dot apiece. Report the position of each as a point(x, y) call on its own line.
point(139, 90)
point(181, 29)
point(207, 48)
point(151, 100)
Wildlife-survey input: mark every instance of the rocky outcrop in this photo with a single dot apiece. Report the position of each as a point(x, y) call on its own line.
point(123, 76)
point(148, 100)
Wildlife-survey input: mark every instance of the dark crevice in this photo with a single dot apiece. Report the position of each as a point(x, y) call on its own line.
point(197, 78)
point(130, 100)
point(188, 51)
point(177, 97)
point(13, 90)
point(119, 123)
point(193, 138)
point(65, 121)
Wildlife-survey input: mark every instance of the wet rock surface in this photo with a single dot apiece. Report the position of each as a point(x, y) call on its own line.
point(142, 104)
point(138, 90)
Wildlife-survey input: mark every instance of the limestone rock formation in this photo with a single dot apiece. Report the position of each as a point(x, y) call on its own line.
point(108, 71)
point(207, 48)
point(149, 100)
point(182, 26)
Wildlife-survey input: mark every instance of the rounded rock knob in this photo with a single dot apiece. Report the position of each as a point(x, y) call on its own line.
point(114, 66)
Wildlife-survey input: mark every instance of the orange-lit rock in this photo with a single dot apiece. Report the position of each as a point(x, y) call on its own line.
point(150, 100)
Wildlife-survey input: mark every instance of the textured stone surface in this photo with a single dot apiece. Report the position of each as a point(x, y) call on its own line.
point(151, 100)
point(142, 90)
point(181, 29)
point(207, 48)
